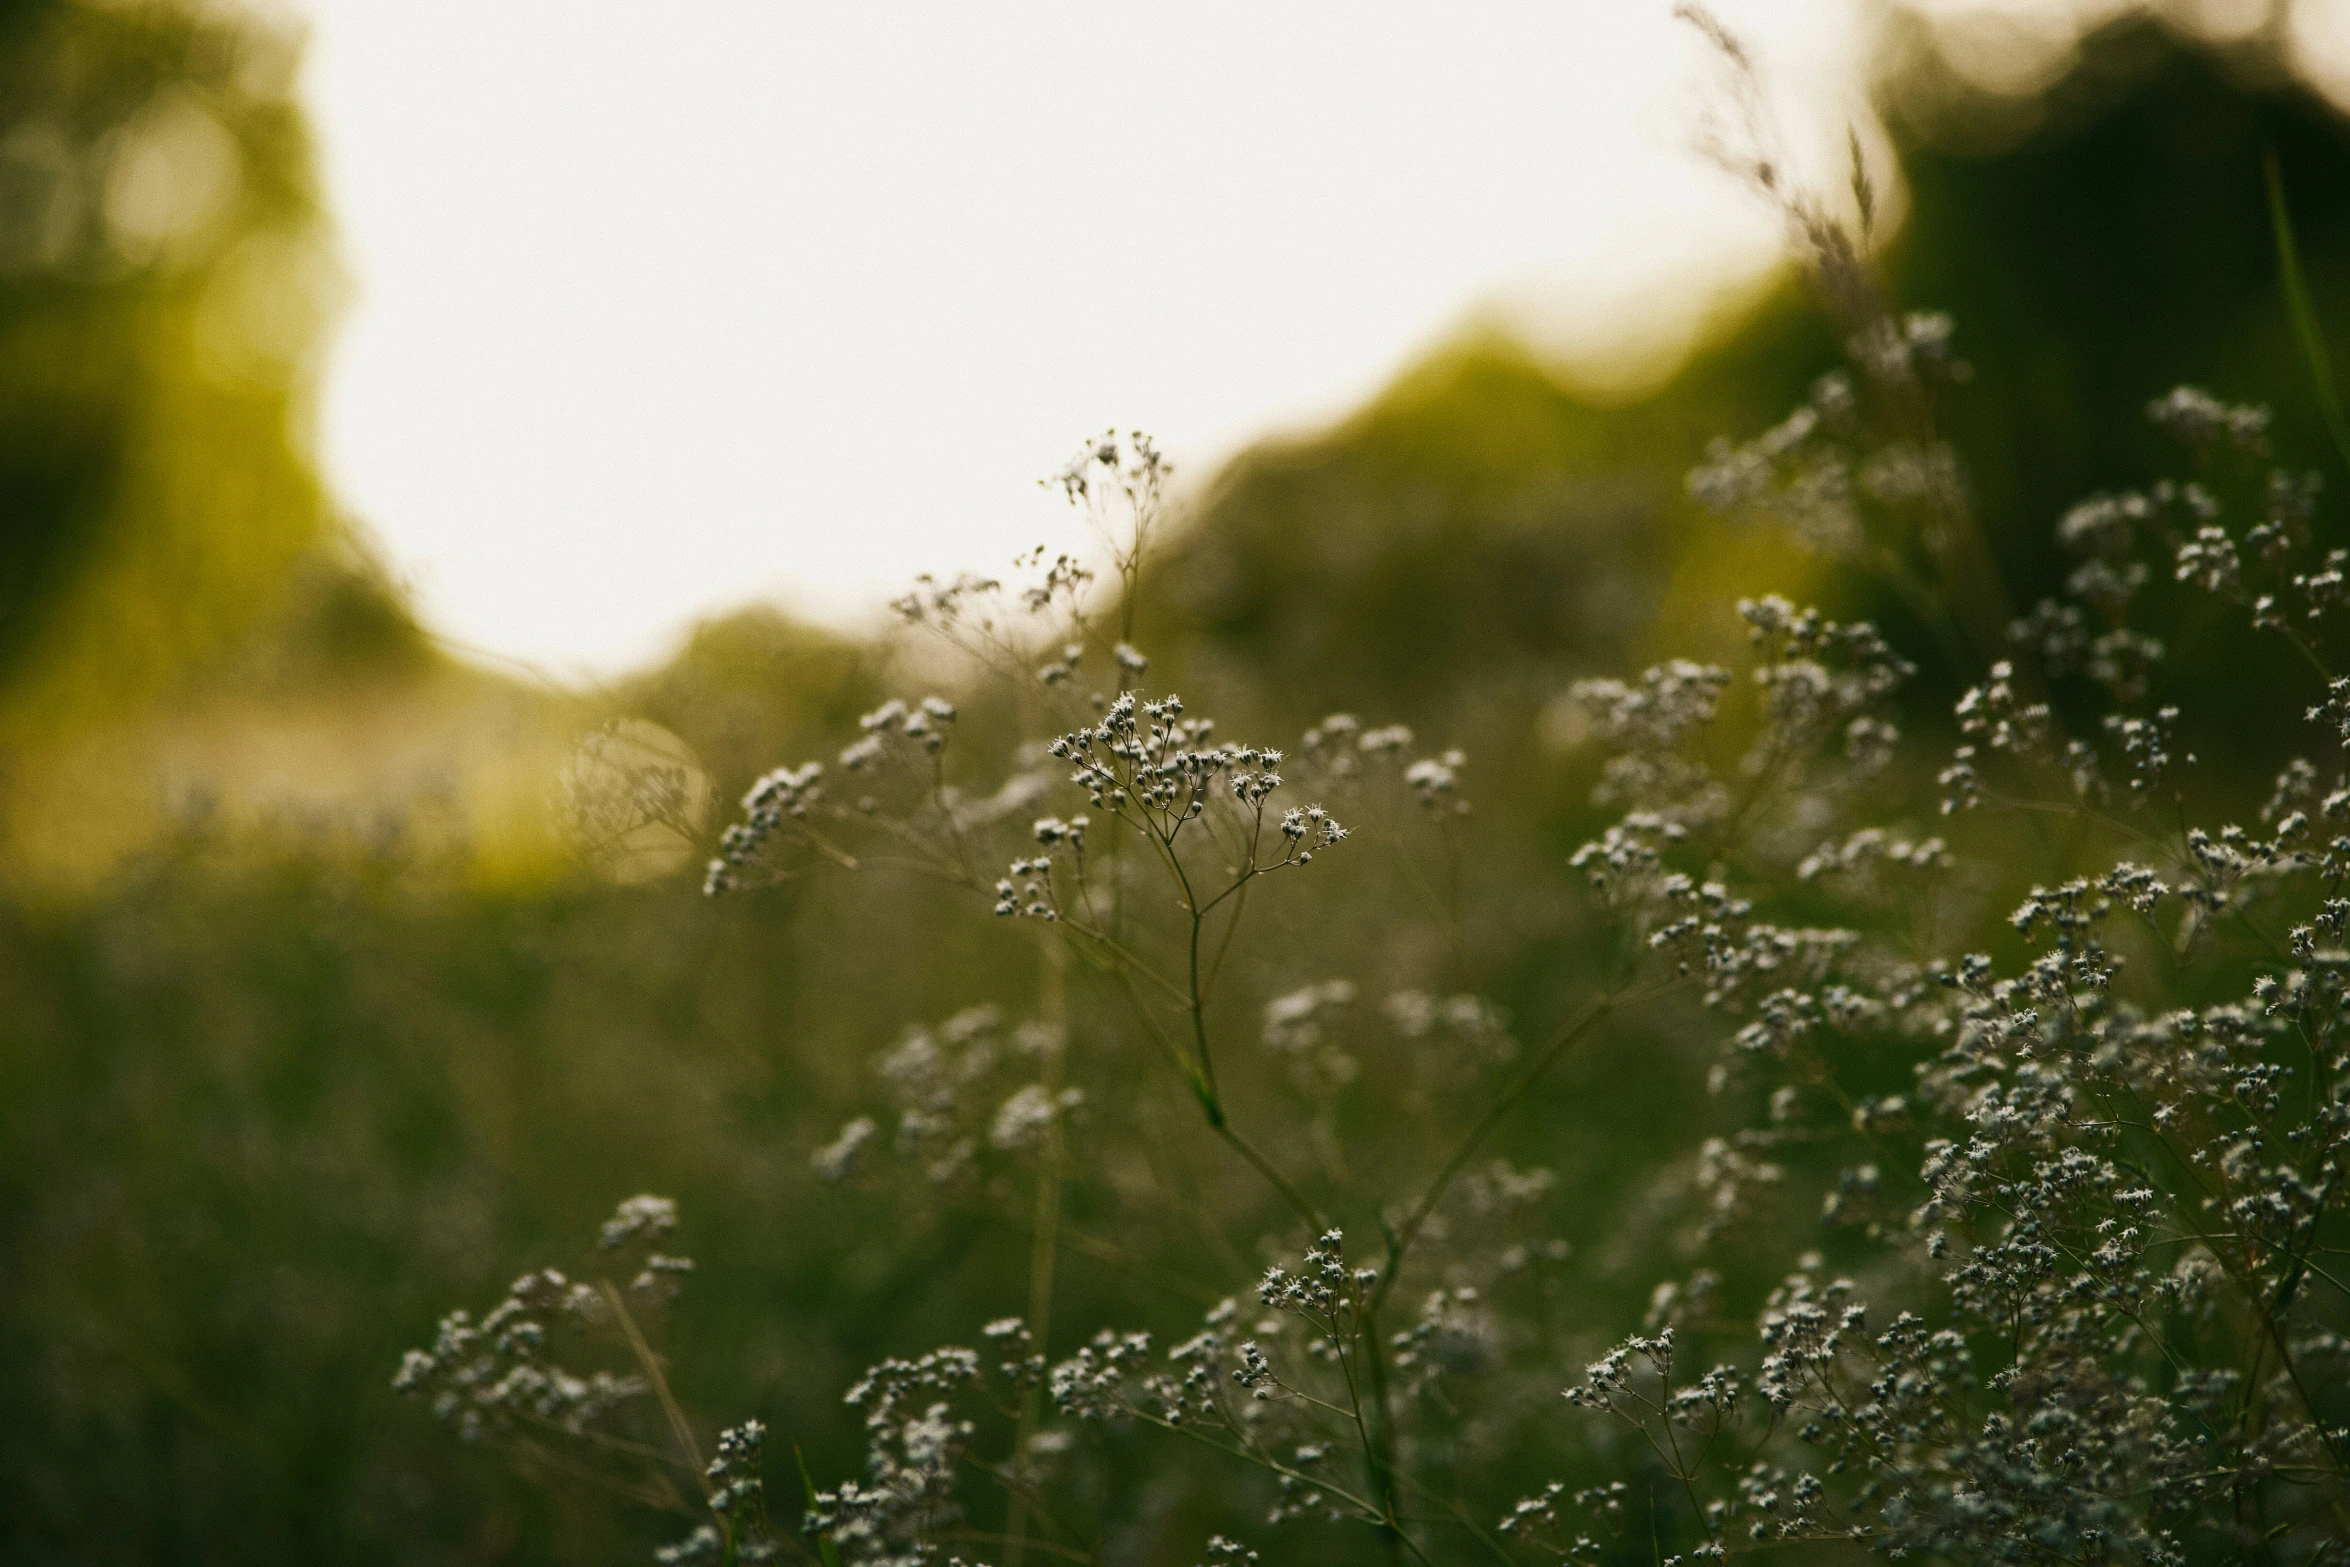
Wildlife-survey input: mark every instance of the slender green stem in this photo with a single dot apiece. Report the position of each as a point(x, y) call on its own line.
point(1123, 959)
point(1199, 1016)
point(1224, 945)
point(1599, 1010)
point(2304, 313)
point(1052, 997)
point(1379, 1437)
point(1363, 1508)
point(650, 1364)
point(660, 1497)
point(1204, 1065)
point(1296, 1199)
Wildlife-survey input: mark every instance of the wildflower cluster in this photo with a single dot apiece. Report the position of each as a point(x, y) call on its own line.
point(2098, 1209)
point(1823, 724)
point(1285, 1406)
point(736, 1496)
point(1341, 753)
point(960, 1097)
point(1303, 1026)
point(1537, 1520)
point(1119, 483)
point(2274, 568)
point(1151, 767)
point(1156, 773)
point(895, 730)
point(505, 1379)
point(490, 1377)
point(1845, 479)
point(2084, 1174)
point(1429, 1042)
point(630, 800)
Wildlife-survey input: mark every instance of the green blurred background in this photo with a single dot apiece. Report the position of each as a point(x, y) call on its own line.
point(310, 1027)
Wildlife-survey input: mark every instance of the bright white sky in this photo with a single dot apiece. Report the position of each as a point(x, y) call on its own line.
point(662, 309)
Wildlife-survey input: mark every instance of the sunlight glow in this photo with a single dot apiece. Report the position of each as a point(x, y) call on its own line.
point(661, 311)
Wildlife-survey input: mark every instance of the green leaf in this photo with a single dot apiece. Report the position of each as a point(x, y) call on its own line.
point(825, 1549)
point(2302, 312)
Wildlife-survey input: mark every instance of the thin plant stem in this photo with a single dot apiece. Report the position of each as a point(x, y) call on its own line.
point(2300, 309)
point(1053, 1010)
point(1600, 1009)
point(650, 1364)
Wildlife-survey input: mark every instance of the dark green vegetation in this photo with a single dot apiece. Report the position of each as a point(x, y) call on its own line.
point(267, 1105)
point(163, 286)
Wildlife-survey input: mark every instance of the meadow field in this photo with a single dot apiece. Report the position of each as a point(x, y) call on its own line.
point(1795, 1004)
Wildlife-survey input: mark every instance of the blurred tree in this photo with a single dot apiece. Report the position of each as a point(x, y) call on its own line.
point(2097, 245)
point(1478, 516)
point(2122, 248)
point(165, 283)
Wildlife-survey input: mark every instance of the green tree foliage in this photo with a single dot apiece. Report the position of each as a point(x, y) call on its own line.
point(2114, 241)
point(165, 282)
